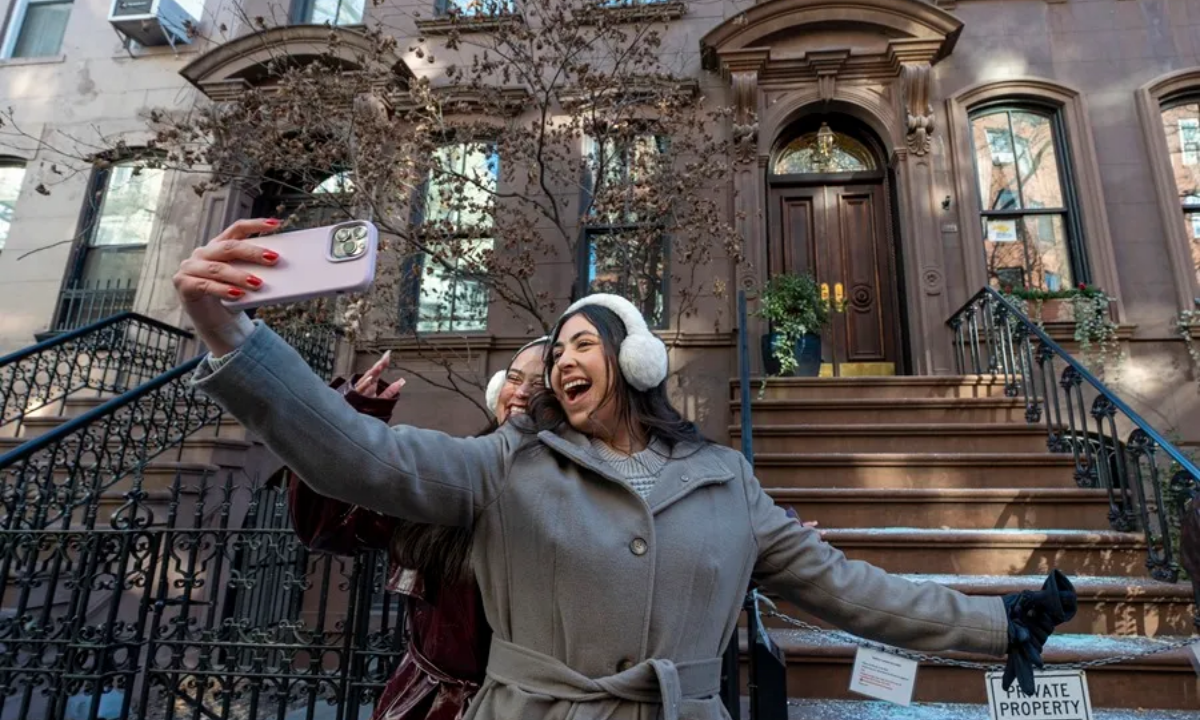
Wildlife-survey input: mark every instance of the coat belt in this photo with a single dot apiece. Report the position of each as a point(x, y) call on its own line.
point(650, 681)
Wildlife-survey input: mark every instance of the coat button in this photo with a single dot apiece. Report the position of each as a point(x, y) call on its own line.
point(638, 547)
point(684, 478)
point(624, 665)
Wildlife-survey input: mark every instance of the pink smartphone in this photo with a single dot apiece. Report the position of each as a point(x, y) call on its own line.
point(317, 262)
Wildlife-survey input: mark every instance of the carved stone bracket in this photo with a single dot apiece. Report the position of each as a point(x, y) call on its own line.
point(743, 69)
point(918, 112)
point(827, 64)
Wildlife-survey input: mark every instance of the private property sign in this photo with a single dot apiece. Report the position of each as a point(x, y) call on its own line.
point(1058, 695)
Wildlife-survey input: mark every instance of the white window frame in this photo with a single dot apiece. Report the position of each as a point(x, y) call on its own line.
point(17, 20)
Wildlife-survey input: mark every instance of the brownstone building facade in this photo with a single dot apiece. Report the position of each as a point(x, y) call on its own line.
point(1040, 143)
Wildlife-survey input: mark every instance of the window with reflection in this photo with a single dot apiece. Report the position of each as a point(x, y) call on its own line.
point(457, 220)
point(119, 222)
point(625, 245)
point(475, 8)
point(328, 12)
point(12, 174)
point(823, 151)
point(1029, 235)
point(1181, 125)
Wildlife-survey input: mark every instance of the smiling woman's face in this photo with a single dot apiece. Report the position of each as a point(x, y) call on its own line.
point(523, 380)
point(580, 378)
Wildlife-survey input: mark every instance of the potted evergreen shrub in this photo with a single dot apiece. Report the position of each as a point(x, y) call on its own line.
point(797, 313)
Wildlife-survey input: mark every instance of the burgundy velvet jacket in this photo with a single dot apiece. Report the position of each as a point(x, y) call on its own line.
point(448, 635)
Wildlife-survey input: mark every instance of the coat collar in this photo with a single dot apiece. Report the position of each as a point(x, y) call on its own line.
point(690, 467)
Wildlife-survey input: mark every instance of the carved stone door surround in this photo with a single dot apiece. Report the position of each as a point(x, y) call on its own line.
point(868, 58)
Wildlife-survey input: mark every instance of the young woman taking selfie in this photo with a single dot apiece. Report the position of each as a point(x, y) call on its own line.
point(612, 544)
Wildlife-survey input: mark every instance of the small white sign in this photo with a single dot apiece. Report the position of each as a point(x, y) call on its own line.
point(1058, 695)
point(1194, 656)
point(884, 676)
point(1002, 230)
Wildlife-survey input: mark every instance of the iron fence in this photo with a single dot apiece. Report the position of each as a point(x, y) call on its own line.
point(194, 603)
point(1147, 479)
point(107, 356)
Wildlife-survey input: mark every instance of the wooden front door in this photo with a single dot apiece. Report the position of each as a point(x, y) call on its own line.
point(839, 234)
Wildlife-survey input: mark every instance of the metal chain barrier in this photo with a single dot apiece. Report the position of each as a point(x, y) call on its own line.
point(1162, 647)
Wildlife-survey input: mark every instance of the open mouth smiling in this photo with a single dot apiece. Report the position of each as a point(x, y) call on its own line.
point(574, 390)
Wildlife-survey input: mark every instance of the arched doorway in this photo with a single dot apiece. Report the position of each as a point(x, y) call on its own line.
point(829, 214)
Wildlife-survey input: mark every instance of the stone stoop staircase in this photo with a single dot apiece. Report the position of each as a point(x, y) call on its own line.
point(941, 479)
point(212, 451)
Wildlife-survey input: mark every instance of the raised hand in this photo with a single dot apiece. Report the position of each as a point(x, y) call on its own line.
point(368, 384)
point(207, 275)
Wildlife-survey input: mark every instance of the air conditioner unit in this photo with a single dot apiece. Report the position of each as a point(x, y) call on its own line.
point(152, 22)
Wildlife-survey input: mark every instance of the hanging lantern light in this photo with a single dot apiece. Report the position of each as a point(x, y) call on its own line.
point(824, 153)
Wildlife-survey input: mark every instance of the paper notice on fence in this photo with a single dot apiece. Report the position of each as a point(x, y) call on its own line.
point(1002, 230)
point(1058, 695)
point(884, 676)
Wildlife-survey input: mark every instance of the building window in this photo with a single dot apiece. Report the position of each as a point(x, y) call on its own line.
point(1030, 236)
point(12, 173)
point(457, 218)
point(36, 28)
point(118, 223)
point(475, 8)
point(1181, 124)
point(625, 249)
point(331, 12)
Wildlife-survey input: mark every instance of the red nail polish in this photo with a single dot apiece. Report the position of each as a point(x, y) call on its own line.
point(270, 255)
point(236, 292)
point(254, 280)
point(271, 221)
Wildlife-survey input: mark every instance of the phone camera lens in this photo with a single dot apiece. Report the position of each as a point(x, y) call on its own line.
point(360, 233)
point(349, 247)
point(342, 235)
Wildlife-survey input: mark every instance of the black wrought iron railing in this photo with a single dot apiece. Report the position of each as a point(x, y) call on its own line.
point(139, 590)
point(200, 605)
point(1147, 478)
point(84, 302)
point(50, 479)
point(108, 356)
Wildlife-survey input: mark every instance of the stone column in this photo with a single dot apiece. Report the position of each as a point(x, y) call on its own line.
point(748, 181)
point(924, 263)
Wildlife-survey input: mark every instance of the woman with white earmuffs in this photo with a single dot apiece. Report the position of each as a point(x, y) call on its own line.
point(611, 542)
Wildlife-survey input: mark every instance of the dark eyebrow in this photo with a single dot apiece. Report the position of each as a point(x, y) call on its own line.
point(575, 337)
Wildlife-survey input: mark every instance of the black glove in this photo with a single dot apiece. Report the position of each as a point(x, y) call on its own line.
point(1032, 617)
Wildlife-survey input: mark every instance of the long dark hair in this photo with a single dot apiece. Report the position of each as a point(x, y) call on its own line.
point(442, 554)
point(649, 413)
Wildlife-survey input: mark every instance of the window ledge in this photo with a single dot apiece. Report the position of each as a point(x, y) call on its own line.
point(48, 60)
point(446, 24)
point(138, 52)
point(636, 11)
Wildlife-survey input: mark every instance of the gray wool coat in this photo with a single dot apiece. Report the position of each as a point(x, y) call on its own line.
point(604, 604)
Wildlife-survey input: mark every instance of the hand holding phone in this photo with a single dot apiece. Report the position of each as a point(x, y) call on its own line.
point(316, 262)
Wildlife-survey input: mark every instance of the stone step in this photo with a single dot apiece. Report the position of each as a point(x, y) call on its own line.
point(994, 552)
point(818, 709)
point(819, 665)
point(1125, 606)
point(905, 386)
point(966, 508)
point(884, 410)
point(909, 469)
point(877, 438)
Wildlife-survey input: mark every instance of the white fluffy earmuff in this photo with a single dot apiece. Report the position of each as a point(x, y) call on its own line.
point(642, 357)
point(496, 384)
